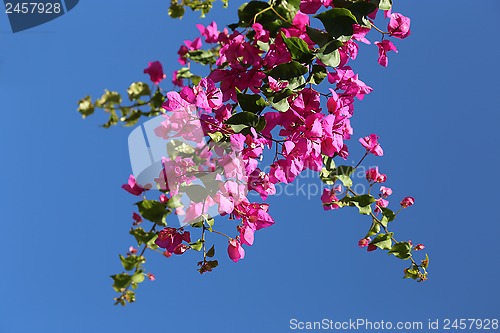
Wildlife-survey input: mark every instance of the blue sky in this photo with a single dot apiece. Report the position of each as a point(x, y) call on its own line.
point(65, 218)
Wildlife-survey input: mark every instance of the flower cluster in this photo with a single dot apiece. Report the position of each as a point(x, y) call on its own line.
point(265, 94)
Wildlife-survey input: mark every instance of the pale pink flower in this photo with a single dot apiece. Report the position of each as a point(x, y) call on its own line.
point(385, 191)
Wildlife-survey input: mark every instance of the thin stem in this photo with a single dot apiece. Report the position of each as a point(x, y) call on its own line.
point(361, 160)
point(221, 233)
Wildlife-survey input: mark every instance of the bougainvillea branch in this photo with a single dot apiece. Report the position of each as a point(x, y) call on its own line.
point(264, 93)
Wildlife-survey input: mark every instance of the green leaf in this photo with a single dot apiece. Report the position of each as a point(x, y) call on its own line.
point(385, 4)
point(153, 211)
point(210, 221)
point(387, 216)
point(201, 56)
point(175, 10)
point(318, 74)
point(361, 9)
point(213, 263)
point(278, 99)
point(242, 120)
point(121, 281)
point(343, 173)
point(338, 22)
point(248, 11)
point(298, 48)
point(195, 192)
point(251, 103)
point(179, 148)
point(138, 277)
point(319, 37)
point(137, 90)
point(211, 252)
point(109, 99)
point(295, 4)
point(113, 119)
point(412, 272)
point(287, 71)
point(131, 262)
point(329, 53)
point(281, 106)
point(143, 237)
point(328, 162)
point(132, 118)
point(174, 202)
point(383, 241)
point(425, 262)
point(157, 99)
point(361, 201)
point(197, 246)
point(216, 137)
point(85, 107)
point(365, 210)
point(374, 229)
point(402, 250)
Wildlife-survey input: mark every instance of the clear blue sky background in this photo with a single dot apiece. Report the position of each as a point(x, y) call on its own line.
point(64, 217)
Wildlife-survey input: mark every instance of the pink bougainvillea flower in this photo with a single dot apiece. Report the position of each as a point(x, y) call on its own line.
point(364, 242)
point(210, 33)
point(380, 203)
point(167, 254)
point(276, 85)
point(132, 250)
point(312, 6)
point(385, 191)
point(177, 81)
point(399, 26)
point(259, 182)
point(171, 239)
point(261, 34)
point(155, 71)
point(151, 276)
point(360, 33)
point(235, 250)
point(371, 144)
point(163, 199)
point(373, 175)
point(208, 96)
point(407, 202)
point(181, 249)
point(137, 218)
point(133, 188)
point(193, 45)
point(419, 247)
point(329, 199)
point(247, 234)
point(371, 247)
point(384, 47)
